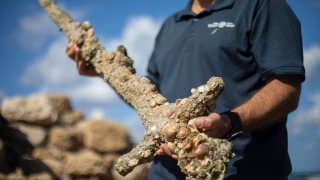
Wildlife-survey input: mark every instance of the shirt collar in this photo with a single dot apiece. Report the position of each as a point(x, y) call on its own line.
point(218, 5)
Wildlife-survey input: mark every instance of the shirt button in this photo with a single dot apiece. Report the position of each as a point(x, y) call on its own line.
point(195, 19)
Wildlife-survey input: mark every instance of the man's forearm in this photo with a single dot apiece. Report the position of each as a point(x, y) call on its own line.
point(271, 103)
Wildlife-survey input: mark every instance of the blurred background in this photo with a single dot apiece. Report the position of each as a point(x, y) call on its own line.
point(33, 61)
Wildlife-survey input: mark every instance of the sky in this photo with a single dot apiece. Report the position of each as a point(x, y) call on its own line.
point(33, 61)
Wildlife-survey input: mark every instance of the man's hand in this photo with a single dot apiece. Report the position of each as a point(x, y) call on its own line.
point(74, 52)
point(214, 125)
point(166, 150)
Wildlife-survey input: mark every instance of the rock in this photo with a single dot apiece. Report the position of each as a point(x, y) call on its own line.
point(34, 110)
point(53, 158)
point(66, 148)
point(105, 136)
point(35, 134)
point(54, 165)
point(60, 102)
point(17, 174)
point(85, 163)
point(110, 159)
point(20, 174)
point(48, 153)
point(36, 169)
point(71, 117)
point(140, 172)
point(40, 176)
point(15, 143)
point(65, 138)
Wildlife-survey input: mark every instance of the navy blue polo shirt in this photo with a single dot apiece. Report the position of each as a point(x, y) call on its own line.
point(245, 42)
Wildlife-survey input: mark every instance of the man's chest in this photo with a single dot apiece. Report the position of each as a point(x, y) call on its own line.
point(204, 41)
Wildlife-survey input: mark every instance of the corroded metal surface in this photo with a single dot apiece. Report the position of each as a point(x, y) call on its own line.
point(199, 156)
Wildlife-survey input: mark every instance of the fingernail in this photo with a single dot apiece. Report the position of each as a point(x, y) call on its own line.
point(159, 151)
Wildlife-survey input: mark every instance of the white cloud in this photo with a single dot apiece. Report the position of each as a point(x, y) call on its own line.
point(36, 29)
point(91, 90)
point(131, 120)
point(96, 113)
point(123, 114)
point(138, 37)
point(308, 117)
point(51, 68)
point(54, 72)
point(312, 61)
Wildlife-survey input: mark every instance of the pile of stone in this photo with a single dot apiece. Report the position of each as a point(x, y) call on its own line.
point(42, 137)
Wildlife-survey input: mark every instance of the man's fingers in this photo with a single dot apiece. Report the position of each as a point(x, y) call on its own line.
point(85, 68)
point(174, 156)
point(71, 50)
point(70, 44)
point(207, 122)
point(70, 53)
point(82, 67)
point(77, 49)
point(74, 52)
point(166, 149)
point(78, 56)
point(160, 152)
point(79, 66)
point(204, 123)
point(213, 125)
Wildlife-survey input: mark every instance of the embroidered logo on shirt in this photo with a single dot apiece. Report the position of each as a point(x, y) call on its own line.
point(220, 25)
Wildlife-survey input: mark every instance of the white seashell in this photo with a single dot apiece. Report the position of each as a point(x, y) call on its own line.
point(202, 150)
point(86, 25)
point(193, 90)
point(201, 89)
point(153, 104)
